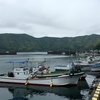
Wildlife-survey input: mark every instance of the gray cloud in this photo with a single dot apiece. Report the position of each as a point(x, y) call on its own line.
point(54, 18)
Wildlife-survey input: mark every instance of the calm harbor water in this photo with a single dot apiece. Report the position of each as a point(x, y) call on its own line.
point(20, 92)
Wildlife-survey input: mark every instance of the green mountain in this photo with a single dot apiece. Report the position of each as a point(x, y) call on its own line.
point(27, 43)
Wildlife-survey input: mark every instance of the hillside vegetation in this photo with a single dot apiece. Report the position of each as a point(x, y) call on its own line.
point(27, 43)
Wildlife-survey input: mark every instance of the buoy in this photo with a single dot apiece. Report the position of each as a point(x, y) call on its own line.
point(26, 83)
point(51, 84)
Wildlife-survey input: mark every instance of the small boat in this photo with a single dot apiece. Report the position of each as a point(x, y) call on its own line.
point(62, 67)
point(86, 65)
point(94, 71)
point(69, 69)
point(82, 64)
point(22, 75)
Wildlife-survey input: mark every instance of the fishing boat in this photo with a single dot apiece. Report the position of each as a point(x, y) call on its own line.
point(94, 71)
point(88, 62)
point(23, 75)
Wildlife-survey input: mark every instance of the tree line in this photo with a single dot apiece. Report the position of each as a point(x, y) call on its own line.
point(27, 43)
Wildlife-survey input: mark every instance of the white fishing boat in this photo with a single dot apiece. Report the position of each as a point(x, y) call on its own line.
point(22, 75)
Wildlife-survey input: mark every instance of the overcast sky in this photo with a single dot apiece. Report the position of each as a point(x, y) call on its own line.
point(53, 18)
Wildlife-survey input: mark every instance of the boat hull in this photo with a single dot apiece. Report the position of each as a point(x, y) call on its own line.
point(61, 68)
point(63, 80)
point(94, 71)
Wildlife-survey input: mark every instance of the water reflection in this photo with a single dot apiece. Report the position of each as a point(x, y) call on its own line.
point(21, 92)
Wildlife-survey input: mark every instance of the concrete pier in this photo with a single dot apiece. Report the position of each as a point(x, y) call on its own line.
point(94, 93)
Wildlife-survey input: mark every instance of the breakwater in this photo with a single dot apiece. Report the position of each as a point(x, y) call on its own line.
point(62, 52)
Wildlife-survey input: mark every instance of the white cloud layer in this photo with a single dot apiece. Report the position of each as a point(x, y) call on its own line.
point(53, 18)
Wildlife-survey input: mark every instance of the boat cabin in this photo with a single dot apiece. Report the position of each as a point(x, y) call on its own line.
point(19, 71)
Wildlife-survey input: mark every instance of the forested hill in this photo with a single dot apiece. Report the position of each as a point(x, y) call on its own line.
point(25, 43)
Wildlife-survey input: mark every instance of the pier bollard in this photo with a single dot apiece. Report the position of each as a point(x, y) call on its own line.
point(99, 83)
point(94, 98)
point(98, 89)
point(98, 86)
point(98, 93)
